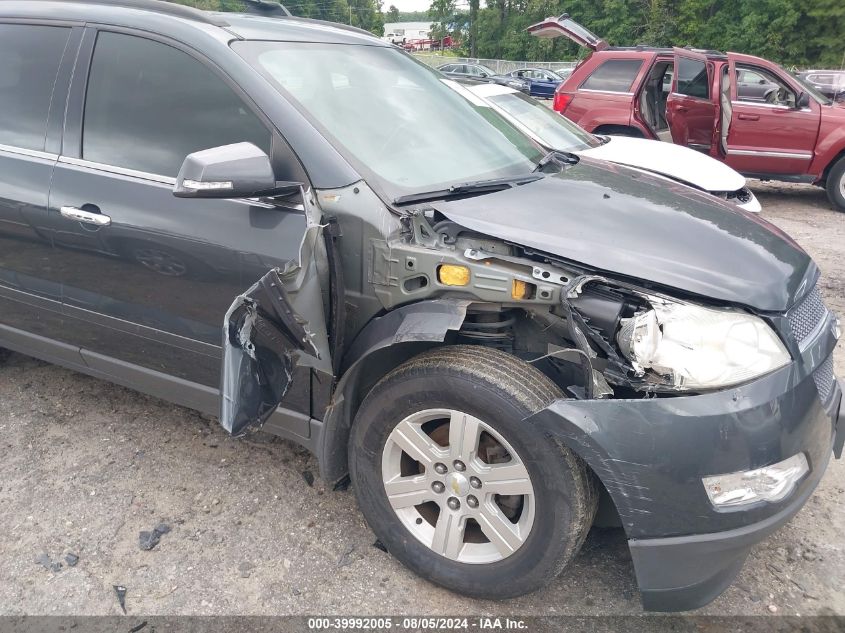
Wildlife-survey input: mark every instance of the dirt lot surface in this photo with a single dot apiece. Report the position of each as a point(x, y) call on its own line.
point(87, 466)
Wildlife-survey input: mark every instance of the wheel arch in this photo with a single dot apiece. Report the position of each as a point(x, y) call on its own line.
point(385, 343)
point(834, 159)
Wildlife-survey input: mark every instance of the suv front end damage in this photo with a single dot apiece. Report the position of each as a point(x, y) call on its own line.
point(708, 424)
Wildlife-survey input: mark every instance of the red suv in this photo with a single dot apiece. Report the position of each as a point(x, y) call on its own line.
point(746, 111)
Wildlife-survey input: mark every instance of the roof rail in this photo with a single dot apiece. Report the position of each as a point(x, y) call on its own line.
point(334, 25)
point(157, 6)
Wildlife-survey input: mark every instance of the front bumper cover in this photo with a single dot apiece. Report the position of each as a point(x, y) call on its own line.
point(686, 572)
point(651, 455)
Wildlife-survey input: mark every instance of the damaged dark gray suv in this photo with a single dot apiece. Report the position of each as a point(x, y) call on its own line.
point(300, 228)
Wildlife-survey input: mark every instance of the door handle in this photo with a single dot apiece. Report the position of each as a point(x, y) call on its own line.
point(681, 108)
point(748, 117)
point(89, 217)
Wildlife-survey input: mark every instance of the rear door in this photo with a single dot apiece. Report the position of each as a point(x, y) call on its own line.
point(148, 279)
point(691, 110)
point(773, 135)
point(36, 60)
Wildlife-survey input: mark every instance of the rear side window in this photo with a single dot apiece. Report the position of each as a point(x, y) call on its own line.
point(614, 75)
point(149, 105)
point(29, 61)
point(692, 78)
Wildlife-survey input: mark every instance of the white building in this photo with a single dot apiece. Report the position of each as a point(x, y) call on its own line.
point(401, 32)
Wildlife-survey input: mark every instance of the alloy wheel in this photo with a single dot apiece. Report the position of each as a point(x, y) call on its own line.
point(458, 486)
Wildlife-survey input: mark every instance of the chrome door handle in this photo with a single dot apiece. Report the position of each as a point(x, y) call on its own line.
point(80, 215)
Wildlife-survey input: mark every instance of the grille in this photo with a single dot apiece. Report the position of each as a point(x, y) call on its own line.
point(824, 378)
point(807, 315)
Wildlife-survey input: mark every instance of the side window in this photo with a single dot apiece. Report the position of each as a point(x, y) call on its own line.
point(149, 105)
point(448, 68)
point(29, 60)
point(764, 88)
point(692, 78)
point(614, 75)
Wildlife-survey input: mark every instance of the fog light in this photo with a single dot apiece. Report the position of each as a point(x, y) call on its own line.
point(452, 275)
point(770, 484)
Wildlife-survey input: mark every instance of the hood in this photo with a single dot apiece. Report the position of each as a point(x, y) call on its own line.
point(675, 161)
point(618, 220)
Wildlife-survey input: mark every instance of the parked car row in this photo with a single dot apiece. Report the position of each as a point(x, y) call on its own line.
point(746, 111)
point(537, 82)
point(496, 344)
point(831, 83)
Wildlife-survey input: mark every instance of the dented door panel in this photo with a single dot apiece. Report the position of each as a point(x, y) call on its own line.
point(274, 337)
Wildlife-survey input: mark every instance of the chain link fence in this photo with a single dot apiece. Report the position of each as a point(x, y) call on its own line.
point(499, 66)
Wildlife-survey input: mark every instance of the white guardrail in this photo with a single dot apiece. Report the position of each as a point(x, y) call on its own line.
point(500, 66)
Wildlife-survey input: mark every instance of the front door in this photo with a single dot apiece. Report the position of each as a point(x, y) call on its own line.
point(690, 108)
point(769, 133)
point(147, 277)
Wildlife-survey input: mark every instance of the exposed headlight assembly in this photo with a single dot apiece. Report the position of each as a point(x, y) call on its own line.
point(693, 348)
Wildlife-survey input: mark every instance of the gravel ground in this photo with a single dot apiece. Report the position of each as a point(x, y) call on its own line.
point(88, 465)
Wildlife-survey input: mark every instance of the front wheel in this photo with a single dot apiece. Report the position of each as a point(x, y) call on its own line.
point(454, 482)
point(835, 185)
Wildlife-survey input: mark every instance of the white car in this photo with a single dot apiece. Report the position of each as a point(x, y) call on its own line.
point(675, 162)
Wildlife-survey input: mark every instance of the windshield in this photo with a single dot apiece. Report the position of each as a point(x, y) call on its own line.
point(812, 90)
point(553, 130)
point(393, 117)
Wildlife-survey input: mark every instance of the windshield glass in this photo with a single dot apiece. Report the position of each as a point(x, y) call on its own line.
point(393, 117)
point(813, 91)
point(553, 130)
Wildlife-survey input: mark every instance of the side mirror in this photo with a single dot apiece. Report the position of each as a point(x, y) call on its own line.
point(484, 75)
point(803, 101)
point(240, 170)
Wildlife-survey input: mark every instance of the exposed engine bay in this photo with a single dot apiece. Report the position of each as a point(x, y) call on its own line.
point(595, 336)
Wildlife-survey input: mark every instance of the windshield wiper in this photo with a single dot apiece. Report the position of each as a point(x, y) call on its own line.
point(477, 187)
point(556, 156)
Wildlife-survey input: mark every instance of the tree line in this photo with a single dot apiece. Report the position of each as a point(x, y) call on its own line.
point(792, 32)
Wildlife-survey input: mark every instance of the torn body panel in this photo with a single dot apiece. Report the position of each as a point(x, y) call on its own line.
point(262, 340)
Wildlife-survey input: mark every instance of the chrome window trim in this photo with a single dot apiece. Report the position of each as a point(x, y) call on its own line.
point(143, 175)
point(754, 152)
point(757, 104)
point(22, 151)
point(681, 94)
point(120, 171)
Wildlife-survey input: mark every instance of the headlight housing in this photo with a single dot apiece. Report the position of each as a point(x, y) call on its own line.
point(692, 347)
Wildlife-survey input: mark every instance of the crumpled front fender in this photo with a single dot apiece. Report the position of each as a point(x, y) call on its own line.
point(262, 334)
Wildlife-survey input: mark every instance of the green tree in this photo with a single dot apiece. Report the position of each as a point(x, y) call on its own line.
point(393, 13)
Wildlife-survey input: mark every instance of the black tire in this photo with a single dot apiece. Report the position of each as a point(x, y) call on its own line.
point(501, 390)
point(835, 185)
point(618, 130)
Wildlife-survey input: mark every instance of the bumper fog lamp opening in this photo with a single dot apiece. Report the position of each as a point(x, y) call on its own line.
point(769, 484)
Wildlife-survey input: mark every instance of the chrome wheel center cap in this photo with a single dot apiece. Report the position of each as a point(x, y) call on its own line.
point(457, 484)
